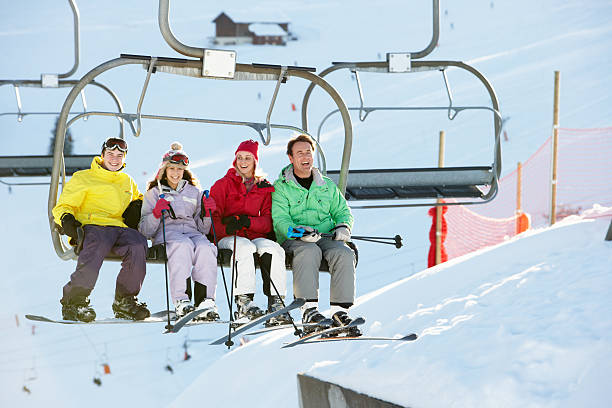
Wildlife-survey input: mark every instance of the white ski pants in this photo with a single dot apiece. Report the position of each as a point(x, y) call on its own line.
point(245, 273)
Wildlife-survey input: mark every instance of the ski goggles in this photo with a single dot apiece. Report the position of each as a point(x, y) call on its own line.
point(113, 143)
point(177, 158)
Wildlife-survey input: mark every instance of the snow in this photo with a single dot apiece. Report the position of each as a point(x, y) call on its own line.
point(523, 324)
point(267, 29)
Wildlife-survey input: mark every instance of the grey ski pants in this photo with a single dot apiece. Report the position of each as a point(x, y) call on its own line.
point(306, 261)
point(99, 242)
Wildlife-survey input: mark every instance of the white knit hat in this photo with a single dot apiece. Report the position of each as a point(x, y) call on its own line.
point(176, 156)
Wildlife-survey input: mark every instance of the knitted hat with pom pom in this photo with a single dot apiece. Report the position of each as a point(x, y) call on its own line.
point(175, 156)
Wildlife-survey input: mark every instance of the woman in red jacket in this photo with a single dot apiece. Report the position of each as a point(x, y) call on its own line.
point(244, 209)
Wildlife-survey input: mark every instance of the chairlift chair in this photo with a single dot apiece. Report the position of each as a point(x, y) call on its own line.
point(208, 64)
point(462, 185)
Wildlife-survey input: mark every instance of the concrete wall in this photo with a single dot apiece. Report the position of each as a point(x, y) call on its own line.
point(315, 393)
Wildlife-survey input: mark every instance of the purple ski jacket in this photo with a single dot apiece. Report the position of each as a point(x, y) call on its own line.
point(186, 201)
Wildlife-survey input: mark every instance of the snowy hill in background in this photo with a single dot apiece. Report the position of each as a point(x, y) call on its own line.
point(524, 323)
point(505, 318)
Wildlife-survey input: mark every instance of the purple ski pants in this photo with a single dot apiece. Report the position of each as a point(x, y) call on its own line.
point(99, 242)
point(191, 255)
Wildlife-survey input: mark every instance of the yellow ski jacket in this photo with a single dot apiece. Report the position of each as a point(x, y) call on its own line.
point(97, 196)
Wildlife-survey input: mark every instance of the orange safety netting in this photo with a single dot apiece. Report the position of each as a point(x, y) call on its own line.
point(584, 178)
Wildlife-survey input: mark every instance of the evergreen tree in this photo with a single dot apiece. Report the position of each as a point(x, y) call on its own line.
point(68, 141)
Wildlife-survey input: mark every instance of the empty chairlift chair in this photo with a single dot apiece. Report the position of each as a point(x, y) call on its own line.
point(416, 186)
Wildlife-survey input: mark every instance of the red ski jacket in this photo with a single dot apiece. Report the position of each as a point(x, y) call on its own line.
point(232, 198)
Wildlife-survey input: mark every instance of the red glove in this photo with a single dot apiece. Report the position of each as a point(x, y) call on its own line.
point(208, 205)
point(161, 205)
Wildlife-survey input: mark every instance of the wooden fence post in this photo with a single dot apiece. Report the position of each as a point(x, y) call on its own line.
point(555, 147)
point(439, 207)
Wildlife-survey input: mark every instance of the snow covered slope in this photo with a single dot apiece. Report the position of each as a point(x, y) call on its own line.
point(525, 323)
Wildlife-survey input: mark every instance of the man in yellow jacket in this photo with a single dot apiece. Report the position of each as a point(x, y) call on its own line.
point(99, 209)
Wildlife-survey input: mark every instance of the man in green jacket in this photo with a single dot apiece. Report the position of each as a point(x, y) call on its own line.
point(304, 198)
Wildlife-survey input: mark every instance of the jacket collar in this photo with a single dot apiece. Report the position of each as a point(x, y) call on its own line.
point(317, 178)
point(260, 182)
point(101, 171)
point(169, 190)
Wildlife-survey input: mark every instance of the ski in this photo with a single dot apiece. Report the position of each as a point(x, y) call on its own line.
point(241, 329)
point(409, 337)
point(187, 320)
point(326, 323)
point(280, 327)
point(156, 319)
point(325, 333)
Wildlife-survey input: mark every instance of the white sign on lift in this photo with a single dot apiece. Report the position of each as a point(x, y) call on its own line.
point(219, 63)
point(399, 61)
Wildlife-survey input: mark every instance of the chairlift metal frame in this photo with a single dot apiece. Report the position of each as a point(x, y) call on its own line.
point(418, 183)
point(185, 67)
point(35, 166)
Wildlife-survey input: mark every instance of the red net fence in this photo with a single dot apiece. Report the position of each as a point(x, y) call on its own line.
point(584, 180)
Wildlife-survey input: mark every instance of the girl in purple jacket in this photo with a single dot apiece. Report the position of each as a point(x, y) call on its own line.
point(175, 194)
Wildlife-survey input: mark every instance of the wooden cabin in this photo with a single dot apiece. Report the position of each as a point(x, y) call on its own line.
point(230, 32)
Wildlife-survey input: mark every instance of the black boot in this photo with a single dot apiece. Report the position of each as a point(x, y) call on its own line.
point(127, 307)
point(246, 307)
point(77, 308)
point(276, 303)
point(314, 321)
point(342, 318)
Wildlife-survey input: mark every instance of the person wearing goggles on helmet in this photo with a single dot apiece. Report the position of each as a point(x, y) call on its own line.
point(243, 217)
point(175, 195)
point(99, 209)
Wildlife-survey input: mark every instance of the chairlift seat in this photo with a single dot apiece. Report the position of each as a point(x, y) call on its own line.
point(434, 182)
point(36, 166)
point(156, 255)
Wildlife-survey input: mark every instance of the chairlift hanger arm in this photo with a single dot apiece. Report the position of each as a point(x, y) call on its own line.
point(62, 83)
point(76, 18)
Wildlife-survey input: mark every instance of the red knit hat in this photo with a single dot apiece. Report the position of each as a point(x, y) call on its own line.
point(250, 146)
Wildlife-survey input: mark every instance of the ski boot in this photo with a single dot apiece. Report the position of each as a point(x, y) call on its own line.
point(276, 303)
point(342, 318)
point(78, 309)
point(127, 307)
point(314, 321)
point(210, 312)
point(182, 307)
point(246, 307)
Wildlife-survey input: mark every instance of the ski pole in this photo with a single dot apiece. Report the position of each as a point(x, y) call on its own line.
point(221, 264)
point(296, 232)
point(297, 331)
point(169, 325)
point(397, 240)
point(229, 343)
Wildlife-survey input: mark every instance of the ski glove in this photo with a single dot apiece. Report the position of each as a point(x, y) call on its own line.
point(161, 205)
point(236, 223)
point(131, 215)
point(310, 234)
point(208, 205)
point(70, 226)
point(342, 233)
